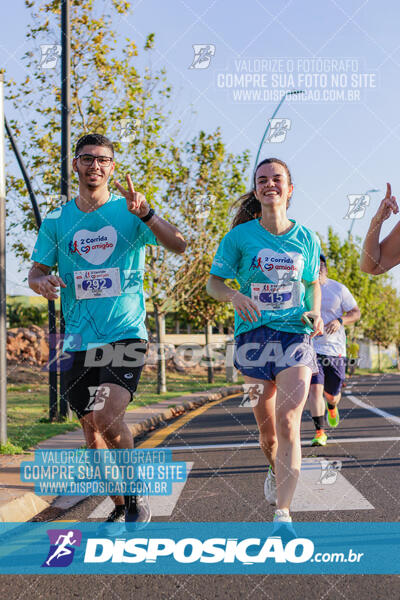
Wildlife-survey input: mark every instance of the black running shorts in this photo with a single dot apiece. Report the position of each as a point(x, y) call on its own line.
point(118, 362)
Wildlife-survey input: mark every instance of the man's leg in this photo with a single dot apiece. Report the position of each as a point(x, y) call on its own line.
point(333, 400)
point(111, 401)
point(317, 409)
point(94, 440)
point(317, 403)
point(108, 415)
point(334, 377)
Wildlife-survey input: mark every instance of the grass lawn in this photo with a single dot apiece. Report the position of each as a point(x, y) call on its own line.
point(28, 406)
point(377, 371)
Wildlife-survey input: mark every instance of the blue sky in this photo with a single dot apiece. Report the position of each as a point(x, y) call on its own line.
point(345, 145)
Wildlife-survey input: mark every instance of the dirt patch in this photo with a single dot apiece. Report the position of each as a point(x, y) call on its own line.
point(18, 373)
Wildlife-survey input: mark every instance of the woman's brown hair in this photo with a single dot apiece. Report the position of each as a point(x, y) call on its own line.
point(249, 206)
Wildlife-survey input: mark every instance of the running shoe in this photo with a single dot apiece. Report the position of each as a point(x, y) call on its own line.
point(283, 527)
point(115, 522)
point(117, 515)
point(270, 486)
point(333, 416)
point(137, 512)
point(320, 438)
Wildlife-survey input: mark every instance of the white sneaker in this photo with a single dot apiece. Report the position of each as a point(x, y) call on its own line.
point(282, 516)
point(270, 487)
point(283, 525)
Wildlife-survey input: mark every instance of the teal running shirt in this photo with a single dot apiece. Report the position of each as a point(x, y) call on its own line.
point(101, 258)
point(269, 269)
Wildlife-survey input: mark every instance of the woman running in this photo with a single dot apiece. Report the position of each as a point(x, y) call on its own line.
point(276, 262)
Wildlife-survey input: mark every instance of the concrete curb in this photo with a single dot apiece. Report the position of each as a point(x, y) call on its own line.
point(29, 505)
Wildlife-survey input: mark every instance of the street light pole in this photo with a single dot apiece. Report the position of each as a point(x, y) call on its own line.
point(65, 148)
point(268, 128)
point(3, 296)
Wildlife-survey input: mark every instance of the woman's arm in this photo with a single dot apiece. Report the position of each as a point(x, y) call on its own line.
point(244, 306)
point(312, 301)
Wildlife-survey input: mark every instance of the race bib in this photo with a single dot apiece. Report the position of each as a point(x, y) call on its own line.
point(275, 296)
point(97, 283)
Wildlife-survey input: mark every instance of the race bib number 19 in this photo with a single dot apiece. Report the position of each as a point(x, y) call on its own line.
point(97, 283)
point(272, 296)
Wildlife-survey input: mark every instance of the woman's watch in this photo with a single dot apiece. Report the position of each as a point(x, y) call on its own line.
point(340, 320)
point(148, 216)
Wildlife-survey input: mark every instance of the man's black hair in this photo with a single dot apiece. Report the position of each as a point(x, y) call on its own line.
point(94, 139)
point(322, 257)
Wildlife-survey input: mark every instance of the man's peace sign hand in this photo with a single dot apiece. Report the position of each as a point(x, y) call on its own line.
point(387, 206)
point(136, 202)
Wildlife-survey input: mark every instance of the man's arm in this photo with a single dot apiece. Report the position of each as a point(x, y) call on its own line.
point(377, 258)
point(349, 317)
point(42, 283)
point(167, 234)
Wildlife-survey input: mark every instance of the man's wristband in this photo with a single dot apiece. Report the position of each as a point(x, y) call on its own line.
point(340, 320)
point(148, 216)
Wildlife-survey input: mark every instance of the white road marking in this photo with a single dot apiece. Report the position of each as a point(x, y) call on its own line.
point(303, 443)
point(374, 409)
point(161, 506)
point(315, 493)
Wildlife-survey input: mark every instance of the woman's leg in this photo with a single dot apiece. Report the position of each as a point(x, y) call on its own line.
point(292, 386)
point(263, 403)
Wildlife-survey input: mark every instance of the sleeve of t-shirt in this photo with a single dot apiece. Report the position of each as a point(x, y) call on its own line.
point(45, 251)
point(312, 265)
point(348, 301)
point(145, 234)
point(227, 257)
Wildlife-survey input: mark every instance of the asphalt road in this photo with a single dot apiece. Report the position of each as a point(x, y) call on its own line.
point(226, 484)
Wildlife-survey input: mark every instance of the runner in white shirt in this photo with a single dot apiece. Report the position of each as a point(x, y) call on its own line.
point(338, 308)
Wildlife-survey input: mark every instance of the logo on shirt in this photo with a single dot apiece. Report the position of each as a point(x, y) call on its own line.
point(278, 266)
point(94, 246)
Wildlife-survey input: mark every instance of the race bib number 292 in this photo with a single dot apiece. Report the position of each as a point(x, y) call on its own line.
point(97, 283)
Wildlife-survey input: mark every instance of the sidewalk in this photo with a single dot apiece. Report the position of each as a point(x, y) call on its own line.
point(18, 502)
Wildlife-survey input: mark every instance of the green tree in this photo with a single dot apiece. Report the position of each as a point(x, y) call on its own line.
point(21, 315)
point(205, 183)
point(106, 88)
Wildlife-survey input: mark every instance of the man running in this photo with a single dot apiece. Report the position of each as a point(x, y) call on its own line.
point(98, 242)
point(377, 258)
point(338, 308)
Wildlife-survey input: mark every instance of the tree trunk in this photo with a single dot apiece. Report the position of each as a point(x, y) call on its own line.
point(210, 368)
point(160, 340)
point(379, 356)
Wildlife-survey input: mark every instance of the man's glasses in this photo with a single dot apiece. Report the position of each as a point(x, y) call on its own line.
point(88, 160)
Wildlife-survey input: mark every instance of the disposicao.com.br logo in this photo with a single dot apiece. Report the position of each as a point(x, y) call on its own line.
point(212, 550)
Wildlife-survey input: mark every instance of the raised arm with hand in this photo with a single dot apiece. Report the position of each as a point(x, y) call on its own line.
point(377, 258)
point(168, 235)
